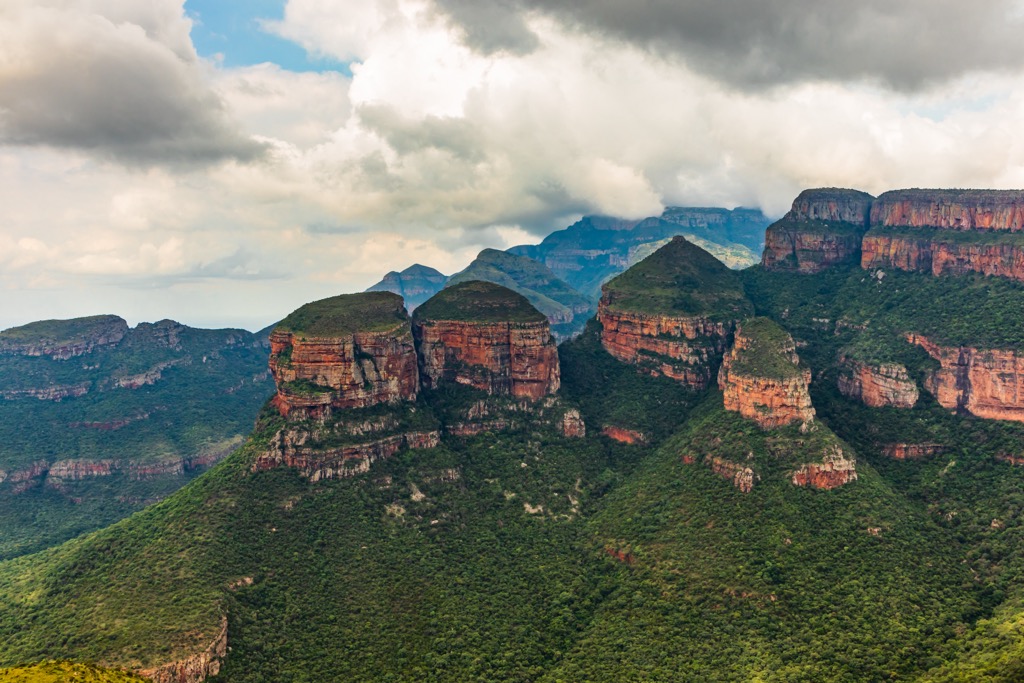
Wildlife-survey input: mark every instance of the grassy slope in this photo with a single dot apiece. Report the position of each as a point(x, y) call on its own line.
point(345, 314)
point(479, 301)
point(66, 672)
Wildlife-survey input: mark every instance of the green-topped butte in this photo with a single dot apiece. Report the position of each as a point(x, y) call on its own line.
point(478, 302)
point(346, 314)
point(679, 280)
point(764, 349)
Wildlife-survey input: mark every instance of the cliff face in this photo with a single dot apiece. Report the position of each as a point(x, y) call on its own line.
point(741, 476)
point(833, 471)
point(939, 256)
point(823, 229)
point(196, 668)
point(685, 349)
point(877, 386)
point(63, 339)
point(761, 378)
point(951, 209)
point(351, 370)
point(912, 451)
point(985, 383)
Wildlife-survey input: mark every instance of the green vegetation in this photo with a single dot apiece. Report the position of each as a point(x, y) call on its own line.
point(564, 306)
point(66, 672)
point(481, 302)
point(680, 279)
point(347, 314)
point(59, 332)
point(929, 235)
point(768, 352)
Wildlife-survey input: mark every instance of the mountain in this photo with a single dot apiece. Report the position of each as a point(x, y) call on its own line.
point(781, 473)
point(415, 284)
point(566, 309)
point(589, 252)
point(98, 419)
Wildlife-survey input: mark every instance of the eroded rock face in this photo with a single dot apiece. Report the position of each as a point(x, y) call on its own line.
point(833, 471)
point(823, 229)
point(951, 209)
point(64, 339)
point(769, 400)
point(572, 424)
point(937, 256)
point(349, 371)
point(623, 435)
point(196, 668)
point(987, 383)
point(517, 359)
point(913, 451)
point(877, 386)
point(832, 204)
point(685, 349)
point(741, 476)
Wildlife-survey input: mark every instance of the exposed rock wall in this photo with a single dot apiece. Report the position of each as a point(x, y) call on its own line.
point(938, 256)
point(741, 476)
point(685, 349)
point(913, 451)
point(196, 668)
point(987, 383)
point(951, 209)
point(623, 435)
point(504, 359)
point(877, 385)
point(350, 371)
point(823, 229)
point(833, 471)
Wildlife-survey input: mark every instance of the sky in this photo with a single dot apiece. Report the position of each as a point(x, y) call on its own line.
point(222, 162)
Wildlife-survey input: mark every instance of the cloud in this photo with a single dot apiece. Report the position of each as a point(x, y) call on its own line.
point(113, 77)
point(907, 44)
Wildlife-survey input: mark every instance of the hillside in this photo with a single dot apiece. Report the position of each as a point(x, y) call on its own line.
point(415, 284)
point(98, 420)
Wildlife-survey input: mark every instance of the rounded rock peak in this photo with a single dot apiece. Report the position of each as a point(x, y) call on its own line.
point(478, 301)
point(346, 314)
point(832, 204)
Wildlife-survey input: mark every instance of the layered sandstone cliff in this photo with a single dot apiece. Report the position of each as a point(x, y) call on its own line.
point(937, 253)
point(824, 228)
point(1001, 210)
point(488, 337)
point(877, 385)
point(987, 383)
point(761, 378)
point(350, 351)
point(834, 470)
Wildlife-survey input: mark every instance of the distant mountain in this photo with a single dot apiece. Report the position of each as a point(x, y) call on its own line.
point(415, 284)
point(566, 309)
point(98, 419)
point(592, 250)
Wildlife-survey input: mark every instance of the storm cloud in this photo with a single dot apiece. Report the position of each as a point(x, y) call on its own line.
point(906, 44)
point(123, 82)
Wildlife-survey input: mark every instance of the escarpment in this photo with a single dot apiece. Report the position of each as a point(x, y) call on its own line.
point(761, 378)
point(673, 313)
point(487, 337)
point(987, 383)
point(823, 229)
point(349, 351)
point(63, 339)
point(963, 210)
point(877, 385)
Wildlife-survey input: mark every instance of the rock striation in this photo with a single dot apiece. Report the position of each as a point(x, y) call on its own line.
point(987, 383)
point(482, 335)
point(877, 385)
point(823, 229)
point(942, 253)
point(761, 378)
point(349, 351)
point(963, 210)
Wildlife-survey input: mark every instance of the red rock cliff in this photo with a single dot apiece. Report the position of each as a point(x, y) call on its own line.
point(877, 385)
point(765, 385)
point(987, 383)
point(685, 349)
point(832, 205)
point(938, 256)
point(833, 471)
point(951, 209)
point(823, 229)
point(502, 358)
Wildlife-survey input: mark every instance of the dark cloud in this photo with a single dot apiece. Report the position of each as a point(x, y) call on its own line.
point(491, 26)
point(906, 44)
point(78, 80)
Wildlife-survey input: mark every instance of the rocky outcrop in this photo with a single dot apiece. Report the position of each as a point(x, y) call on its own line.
point(76, 470)
point(685, 349)
point(52, 393)
point(572, 425)
point(833, 471)
point(317, 372)
point(295, 448)
point(623, 435)
point(196, 668)
point(913, 451)
point(941, 255)
point(63, 339)
point(951, 209)
point(761, 378)
point(987, 383)
point(741, 476)
point(877, 385)
point(823, 229)
point(517, 359)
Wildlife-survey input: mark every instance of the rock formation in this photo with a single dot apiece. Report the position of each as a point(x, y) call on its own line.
point(488, 337)
point(912, 451)
point(833, 471)
point(63, 339)
point(951, 209)
point(196, 668)
point(761, 378)
point(877, 385)
point(987, 383)
point(741, 476)
point(349, 351)
point(824, 228)
point(942, 254)
point(415, 284)
point(623, 435)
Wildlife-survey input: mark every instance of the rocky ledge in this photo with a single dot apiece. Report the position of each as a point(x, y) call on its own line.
point(196, 668)
point(951, 209)
point(943, 253)
point(761, 377)
point(835, 470)
point(877, 385)
point(349, 351)
point(486, 336)
point(987, 383)
point(824, 228)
